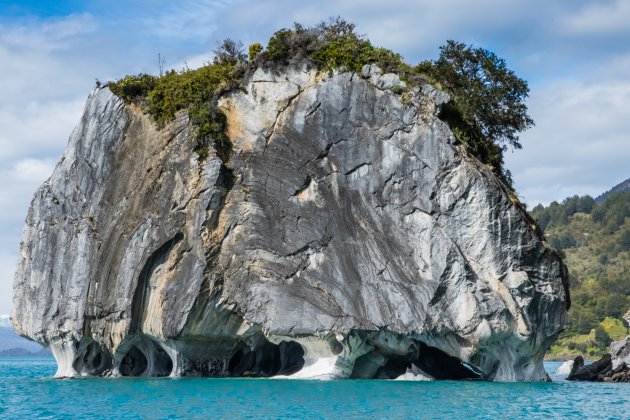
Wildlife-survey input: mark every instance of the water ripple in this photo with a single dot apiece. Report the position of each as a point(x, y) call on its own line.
point(27, 391)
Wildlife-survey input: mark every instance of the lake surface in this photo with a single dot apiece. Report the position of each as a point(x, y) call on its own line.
point(27, 390)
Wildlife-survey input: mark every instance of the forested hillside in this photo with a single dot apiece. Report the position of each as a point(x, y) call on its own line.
point(596, 241)
point(621, 187)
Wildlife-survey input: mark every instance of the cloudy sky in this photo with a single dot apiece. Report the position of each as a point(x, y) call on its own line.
point(575, 55)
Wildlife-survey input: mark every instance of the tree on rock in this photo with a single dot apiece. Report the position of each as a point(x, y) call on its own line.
point(488, 109)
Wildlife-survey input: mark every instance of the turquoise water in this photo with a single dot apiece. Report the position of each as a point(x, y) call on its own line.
point(28, 391)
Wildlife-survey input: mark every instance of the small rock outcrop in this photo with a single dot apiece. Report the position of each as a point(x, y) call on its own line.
point(612, 367)
point(599, 371)
point(620, 350)
point(596, 371)
point(348, 235)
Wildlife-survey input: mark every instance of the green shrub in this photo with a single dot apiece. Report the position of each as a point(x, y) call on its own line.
point(351, 53)
point(397, 89)
point(229, 52)
point(602, 339)
point(278, 47)
point(195, 90)
point(562, 240)
point(254, 51)
point(486, 110)
point(211, 126)
point(133, 88)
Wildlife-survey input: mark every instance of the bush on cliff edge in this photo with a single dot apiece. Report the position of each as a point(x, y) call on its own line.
point(486, 112)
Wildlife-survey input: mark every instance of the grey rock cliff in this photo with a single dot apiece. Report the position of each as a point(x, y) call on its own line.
point(620, 350)
point(348, 236)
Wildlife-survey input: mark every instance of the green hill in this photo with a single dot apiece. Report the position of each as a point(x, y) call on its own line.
point(621, 187)
point(596, 241)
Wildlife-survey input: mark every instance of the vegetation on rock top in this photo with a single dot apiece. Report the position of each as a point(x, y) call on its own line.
point(195, 90)
point(486, 112)
point(596, 241)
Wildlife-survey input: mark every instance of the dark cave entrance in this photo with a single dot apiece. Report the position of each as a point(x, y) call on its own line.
point(134, 363)
point(432, 361)
point(440, 365)
point(92, 360)
point(146, 358)
point(267, 359)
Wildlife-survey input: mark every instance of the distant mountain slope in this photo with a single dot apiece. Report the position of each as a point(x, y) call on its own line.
point(621, 187)
point(9, 340)
point(20, 352)
point(596, 241)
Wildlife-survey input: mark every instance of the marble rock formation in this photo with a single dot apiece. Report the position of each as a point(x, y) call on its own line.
point(348, 234)
point(620, 350)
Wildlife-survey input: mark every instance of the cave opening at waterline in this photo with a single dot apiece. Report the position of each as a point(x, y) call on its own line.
point(267, 359)
point(134, 363)
point(92, 360)
point(146, 358)
point(433, 362)
point(440, 365)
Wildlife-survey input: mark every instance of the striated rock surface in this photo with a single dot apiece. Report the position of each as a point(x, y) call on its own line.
point(348, 235)
point(620, 350)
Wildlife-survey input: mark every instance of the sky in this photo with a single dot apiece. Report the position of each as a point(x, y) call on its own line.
point(574, 54)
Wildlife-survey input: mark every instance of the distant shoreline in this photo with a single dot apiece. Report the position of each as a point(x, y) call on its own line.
point(20, 352)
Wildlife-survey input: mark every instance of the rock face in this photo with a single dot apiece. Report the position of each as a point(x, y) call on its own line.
point(348, 235)
point(599, 371)
point(620, 350)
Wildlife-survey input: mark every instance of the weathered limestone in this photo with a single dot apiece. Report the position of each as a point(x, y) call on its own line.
point(620, 350)
point(347, 236)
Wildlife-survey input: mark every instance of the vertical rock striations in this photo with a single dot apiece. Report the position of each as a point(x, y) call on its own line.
point(620, 350)
point(348, 236)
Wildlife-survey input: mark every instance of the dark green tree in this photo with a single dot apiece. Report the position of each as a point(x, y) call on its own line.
point(489, 96)
point(624, 240)
point(488, 108)
point(229, 51)
point(582, 320)
point(586, 204)
point(562, 240)
point(602, 339)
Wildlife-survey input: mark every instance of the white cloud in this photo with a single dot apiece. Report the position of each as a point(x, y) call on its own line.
point(56, 34)
point(185, 20)
point(580, 143)
point(37, 128)
point(600, 18)
point(32, 171)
